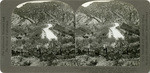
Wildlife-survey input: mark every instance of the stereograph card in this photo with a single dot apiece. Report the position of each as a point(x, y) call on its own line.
point(75, 36)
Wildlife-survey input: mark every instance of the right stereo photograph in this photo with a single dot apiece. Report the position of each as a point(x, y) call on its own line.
point(108, 33)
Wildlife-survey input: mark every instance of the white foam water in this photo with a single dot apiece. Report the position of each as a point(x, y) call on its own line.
point(47, 33)
point(114, 32)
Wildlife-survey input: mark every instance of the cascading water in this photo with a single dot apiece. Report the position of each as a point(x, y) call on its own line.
point(47, 33)
point(115, 33)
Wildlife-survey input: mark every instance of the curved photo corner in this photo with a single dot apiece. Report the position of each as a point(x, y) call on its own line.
point(41, 33)
point(107, 32)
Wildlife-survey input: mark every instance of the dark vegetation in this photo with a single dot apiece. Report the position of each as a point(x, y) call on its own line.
point(81, 35)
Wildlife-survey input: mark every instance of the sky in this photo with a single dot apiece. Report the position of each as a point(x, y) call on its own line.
point(22, 4)
point(90, 2)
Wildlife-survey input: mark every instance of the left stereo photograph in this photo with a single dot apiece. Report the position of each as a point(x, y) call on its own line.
point(41, 33)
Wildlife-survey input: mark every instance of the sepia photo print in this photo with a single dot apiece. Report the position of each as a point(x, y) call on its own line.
point(98, 33)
